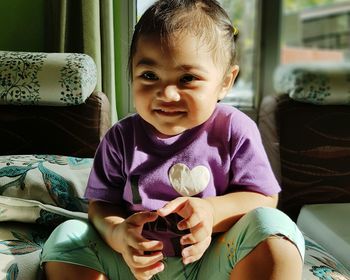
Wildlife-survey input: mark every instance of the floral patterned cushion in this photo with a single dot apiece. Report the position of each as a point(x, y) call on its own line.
point(57, 79)
point(47, 179)
point(37, 192)
point(316, 83)
point(320, 265)
point(22, 243)
point(20, 248)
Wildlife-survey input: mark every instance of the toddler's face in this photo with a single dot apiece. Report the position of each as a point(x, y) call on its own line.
point(176, 87)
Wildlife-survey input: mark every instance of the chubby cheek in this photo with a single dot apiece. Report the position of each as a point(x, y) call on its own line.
point(142, 106)
point(201, 109)
point(141, 98)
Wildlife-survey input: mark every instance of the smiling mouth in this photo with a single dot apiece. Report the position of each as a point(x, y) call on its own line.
point(169, 112)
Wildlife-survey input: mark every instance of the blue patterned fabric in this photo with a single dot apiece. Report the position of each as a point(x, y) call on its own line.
point(39, 192)
point(49, 179)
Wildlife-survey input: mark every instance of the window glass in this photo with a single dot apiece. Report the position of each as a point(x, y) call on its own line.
point(315, 30)
point(244, 16)
point(142, 6)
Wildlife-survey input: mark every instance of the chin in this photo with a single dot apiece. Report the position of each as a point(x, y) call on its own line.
point(170, 133)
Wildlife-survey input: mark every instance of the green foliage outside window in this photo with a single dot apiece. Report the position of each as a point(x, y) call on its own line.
point(299, 5)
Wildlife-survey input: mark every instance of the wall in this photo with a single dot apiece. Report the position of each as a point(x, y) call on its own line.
point(22, 25)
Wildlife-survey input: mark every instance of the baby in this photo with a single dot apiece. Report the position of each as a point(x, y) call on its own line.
point(183, 188)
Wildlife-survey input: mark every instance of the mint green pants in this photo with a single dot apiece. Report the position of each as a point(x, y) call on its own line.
point(77, 242)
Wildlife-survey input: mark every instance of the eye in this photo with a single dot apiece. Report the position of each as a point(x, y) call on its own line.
point(150, 76)
point(188, 78)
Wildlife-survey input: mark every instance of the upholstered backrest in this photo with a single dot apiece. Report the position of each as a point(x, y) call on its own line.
point(314, 151)
point(73, 130)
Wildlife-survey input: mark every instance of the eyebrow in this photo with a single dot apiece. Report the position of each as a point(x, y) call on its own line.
point(151, 62)
point(146, 62)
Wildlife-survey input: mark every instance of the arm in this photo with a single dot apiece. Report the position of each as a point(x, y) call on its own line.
point(123, 234)
point(229, 208)
point(106, 217)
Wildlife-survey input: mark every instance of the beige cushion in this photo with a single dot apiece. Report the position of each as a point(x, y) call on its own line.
point(58, 79)
point(328, 224)
point(316, 83)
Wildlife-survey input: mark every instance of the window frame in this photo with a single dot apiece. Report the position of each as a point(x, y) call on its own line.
point(270, 27)
point(125, 16)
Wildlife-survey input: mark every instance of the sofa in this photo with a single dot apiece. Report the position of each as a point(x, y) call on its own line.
point(51, 121)
point(306, 133)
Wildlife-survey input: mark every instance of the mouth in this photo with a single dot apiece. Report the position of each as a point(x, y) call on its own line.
point(169, 112)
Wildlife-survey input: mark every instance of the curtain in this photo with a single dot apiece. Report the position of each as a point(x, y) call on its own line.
point(85, 26)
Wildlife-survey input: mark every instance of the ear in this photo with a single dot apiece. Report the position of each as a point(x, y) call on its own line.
point(228, 81)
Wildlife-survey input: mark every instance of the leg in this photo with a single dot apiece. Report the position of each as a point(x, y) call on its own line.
point(275, 258)
point(75, 250)
point(66, 271)
point(263, 244)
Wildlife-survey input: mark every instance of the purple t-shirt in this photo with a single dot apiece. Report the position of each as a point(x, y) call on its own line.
point(135, 168)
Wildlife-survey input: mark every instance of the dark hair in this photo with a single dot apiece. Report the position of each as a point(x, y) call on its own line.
point(203, 18)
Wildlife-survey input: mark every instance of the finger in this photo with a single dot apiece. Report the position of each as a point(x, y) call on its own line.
point(140, 218)
point(148, 272)
point(152, 245)
point(197, 234)
point(174, 206)
point(140, 243)
point(192, 221)
point(142, 261)
point(195, 252)
point(134, 229)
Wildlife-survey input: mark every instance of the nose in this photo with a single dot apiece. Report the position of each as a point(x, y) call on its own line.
point(169, 93)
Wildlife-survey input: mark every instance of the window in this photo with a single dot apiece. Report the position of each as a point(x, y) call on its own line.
point(244, 16)
point(315, 31)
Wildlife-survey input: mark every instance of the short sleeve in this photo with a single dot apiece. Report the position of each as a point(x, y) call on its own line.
point(107, 179)
point(250, 167)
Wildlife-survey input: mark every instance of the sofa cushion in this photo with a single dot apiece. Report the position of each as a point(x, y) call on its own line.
point(316, 83)
point(22, 243)
point(48, 179)
point(34, 212)
point(37, 193)
point(59, 79)
point(329, 226)
point(319, 264)
point(20, 248)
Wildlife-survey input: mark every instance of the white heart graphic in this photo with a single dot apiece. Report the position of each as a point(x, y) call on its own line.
point(189, 182)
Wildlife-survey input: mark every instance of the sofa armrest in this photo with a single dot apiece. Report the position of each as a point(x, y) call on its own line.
point(68, 130)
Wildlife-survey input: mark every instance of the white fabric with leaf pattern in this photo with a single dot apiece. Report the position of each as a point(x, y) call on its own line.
point(316, 83)
point(56, 79)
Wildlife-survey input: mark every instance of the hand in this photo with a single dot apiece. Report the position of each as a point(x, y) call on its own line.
point(198, 218)
point(132, 245)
